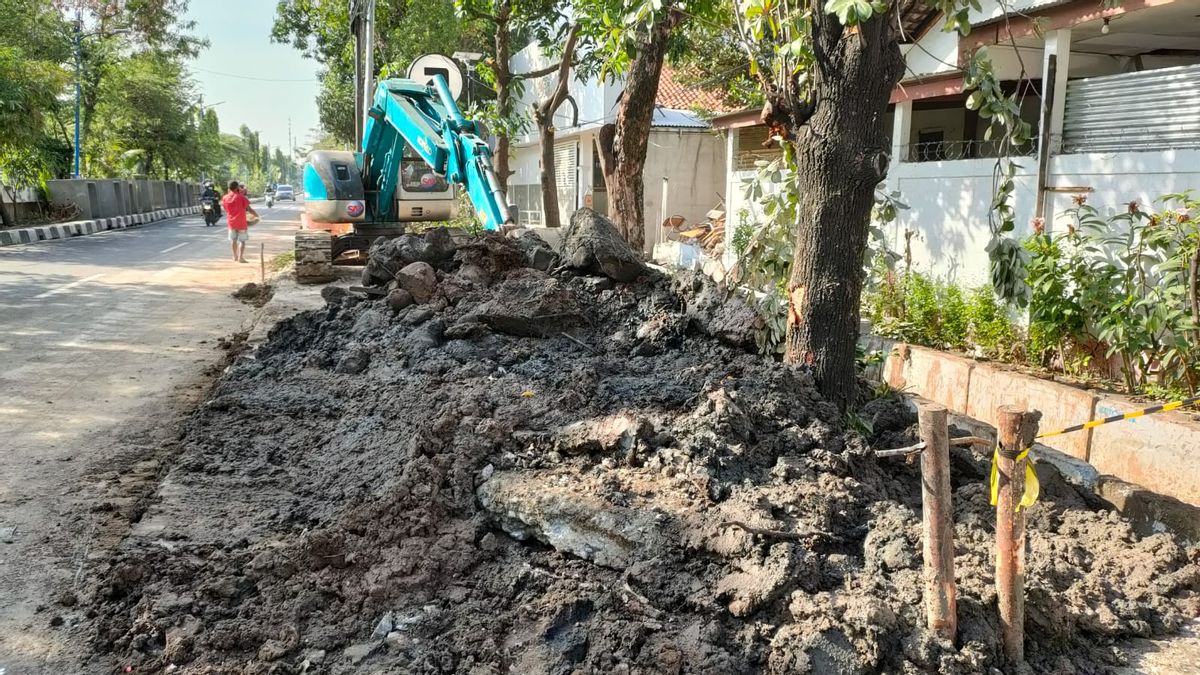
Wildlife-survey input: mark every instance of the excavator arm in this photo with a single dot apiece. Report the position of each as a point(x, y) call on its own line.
point(427, 120)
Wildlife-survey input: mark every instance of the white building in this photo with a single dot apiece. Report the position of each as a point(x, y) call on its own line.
point(685, 163)
point(1119, 120)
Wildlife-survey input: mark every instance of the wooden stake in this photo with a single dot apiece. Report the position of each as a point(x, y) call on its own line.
point(1016, 431)
point(941, 603)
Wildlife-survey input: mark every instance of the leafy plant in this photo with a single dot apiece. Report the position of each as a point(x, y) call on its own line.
point(1128, 284)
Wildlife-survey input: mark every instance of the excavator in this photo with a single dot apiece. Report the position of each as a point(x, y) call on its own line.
point(416, 150)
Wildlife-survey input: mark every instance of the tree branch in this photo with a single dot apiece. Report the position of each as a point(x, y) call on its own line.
point(476, 14)
point(541, 72)
point(547, 107)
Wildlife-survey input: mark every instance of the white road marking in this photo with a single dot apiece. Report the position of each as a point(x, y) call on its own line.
point(176, 246)
point(67, 287)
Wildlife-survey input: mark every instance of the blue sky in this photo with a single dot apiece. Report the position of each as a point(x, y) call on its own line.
point(284, 85)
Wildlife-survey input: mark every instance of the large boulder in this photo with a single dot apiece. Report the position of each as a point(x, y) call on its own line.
point(593, 245)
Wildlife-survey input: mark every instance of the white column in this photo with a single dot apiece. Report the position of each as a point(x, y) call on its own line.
point(731, 139)
point(902, 114)
point(1058, 44)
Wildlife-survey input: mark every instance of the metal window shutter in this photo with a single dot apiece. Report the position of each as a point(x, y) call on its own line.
point(1147, 110)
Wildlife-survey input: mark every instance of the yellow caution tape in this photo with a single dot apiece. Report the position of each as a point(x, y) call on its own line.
point(1032, 487)
point(1133, 414)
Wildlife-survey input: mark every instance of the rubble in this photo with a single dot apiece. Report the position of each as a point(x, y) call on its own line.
point(539, 472)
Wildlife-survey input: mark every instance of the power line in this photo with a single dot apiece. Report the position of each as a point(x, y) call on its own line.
point(249, 77)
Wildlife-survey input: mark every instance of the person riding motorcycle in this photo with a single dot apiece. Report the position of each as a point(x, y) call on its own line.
point(212, 199)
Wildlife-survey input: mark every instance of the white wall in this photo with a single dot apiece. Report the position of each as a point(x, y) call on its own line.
point(936, 52)
point(1119, 178)
point(694, 161)
point(949, 203)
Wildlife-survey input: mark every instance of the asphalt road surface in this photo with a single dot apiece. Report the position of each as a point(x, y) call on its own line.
point(104, 340)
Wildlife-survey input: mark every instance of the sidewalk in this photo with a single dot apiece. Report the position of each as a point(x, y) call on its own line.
point(80, 228)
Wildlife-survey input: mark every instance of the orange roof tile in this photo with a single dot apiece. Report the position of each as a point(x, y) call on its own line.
point(674, 94)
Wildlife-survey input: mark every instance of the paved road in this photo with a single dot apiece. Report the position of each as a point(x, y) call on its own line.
point(102, 340)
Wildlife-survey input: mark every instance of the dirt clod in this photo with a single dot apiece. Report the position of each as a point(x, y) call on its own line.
point(538, 473)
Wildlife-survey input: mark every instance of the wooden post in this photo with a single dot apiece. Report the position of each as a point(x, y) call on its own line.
point(937, 524)
point(1016, 431)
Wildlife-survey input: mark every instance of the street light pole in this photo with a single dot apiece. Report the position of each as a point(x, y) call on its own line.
point(78, 59)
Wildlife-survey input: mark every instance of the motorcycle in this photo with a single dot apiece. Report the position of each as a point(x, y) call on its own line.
point(212, 211)
point(270, 200)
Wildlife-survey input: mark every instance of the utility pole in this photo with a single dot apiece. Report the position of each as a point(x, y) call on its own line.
point(78, 68)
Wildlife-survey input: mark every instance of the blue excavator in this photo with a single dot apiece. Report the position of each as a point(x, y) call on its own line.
point(417, 150)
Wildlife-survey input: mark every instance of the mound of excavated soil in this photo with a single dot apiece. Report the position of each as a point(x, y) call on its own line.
point(541, 472)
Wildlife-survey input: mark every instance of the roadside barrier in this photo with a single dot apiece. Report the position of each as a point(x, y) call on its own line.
point(1165, 407)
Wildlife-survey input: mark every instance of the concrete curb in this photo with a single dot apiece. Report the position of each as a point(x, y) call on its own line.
point(81, 228)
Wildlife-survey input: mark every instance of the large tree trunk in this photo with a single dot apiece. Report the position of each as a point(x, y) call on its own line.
point(623, 144)
point(842, 153)
point(503, 95)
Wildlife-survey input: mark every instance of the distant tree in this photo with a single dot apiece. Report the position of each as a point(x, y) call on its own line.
point(405, 29)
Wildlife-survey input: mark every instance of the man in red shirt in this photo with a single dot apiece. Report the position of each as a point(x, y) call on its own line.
point(236, 207)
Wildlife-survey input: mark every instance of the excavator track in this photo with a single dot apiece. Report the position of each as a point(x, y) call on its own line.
point(314, 257)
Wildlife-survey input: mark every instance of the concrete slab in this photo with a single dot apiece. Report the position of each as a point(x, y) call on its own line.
point(1060, 405)
point(937, 376)
point(1158, 452)
point(1151, 513)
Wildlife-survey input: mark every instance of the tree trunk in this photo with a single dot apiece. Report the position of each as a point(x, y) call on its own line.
point(842, 153)
point(503, 95)
point(548, 177)
point(623, 144)
point(4, 219)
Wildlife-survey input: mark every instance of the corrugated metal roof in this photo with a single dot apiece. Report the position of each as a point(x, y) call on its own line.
point(677, 119)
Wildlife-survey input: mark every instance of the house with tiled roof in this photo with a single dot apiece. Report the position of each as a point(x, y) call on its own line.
point(685, 162)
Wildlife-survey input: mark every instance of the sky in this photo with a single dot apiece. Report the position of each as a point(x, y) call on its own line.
point(252, 80)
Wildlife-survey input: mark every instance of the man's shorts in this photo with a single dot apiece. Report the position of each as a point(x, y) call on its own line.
point(239, 235)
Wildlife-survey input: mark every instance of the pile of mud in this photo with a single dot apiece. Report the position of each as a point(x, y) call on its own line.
point(496, 468)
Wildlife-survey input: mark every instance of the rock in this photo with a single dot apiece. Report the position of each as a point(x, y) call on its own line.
point(592, 245)
point(398, 299)
point(532, 305)
point(334, 295)
point(418, 315)
point(386, 623)
point(388, 256)
point(353, 361)
point(359, 652)
point(419, 279)
point(617, 433)
point(595, 284)
point(539, 506)
point(537, 252)
point(398, 640)
point(474, 274)
point(315, 656)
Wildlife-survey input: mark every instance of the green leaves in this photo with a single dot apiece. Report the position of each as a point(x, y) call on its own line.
point(855, 12)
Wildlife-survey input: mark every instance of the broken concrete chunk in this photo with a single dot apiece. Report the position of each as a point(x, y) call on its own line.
point(540, 506)
point(359, 652)
point(593, 245)
point(419, 279)
point(617, 433)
